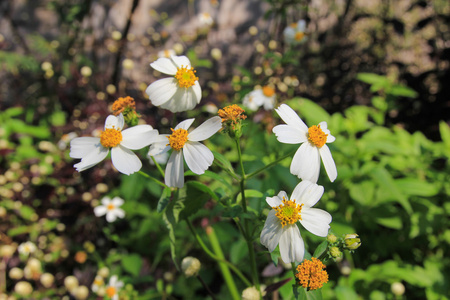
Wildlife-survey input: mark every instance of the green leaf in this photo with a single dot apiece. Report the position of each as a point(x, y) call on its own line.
point(164, 199)
point(417, 187)
point(222, 161)
point(394, 222)
point(320, 249)
point(373, 79)
point(196, 198)
point(301, 293)
point(444, 129)
point(403, 91)
point(238, 251)
point(170, 221)
point(132, 263)
point(212, 175)
point(132, 186)
point(275, 255)
point(345, 293)
point(249, 194)
point(58, 118)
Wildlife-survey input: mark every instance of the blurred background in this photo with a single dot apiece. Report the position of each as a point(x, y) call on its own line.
point(377, 71)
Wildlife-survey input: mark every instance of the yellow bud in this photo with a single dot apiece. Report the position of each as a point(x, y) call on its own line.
point(23, 288)
point(70, 282)
point(190, 266)
point(15, 273)
point(331, 238)
point(81, 292)
point(47, 280)
point(352, 241)
point(335, 252)
point(104, 272)
point(398, 288)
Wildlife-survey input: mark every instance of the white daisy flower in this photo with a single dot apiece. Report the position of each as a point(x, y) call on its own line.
point(97, 284)
point(178, 93)
point(166, 53)
point(27, 248)
point(295, 33)
point(110, 208)
point(186, 144)
point(306, 161)
point(281, 228)
point(113, 288)
point(93, 150)
point(205, 19)
point(260, 97)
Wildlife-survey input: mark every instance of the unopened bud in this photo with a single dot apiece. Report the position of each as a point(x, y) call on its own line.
point(398, 288)
point(190, 266)
point(335, 252)
point(104, 272)
point(47, 280)
point(252, 293)
point(15, 273)
point(352, 241)
point(331, 238)
point(7, 250)
point(23, 288)
point(81, 292)
point(70, 282)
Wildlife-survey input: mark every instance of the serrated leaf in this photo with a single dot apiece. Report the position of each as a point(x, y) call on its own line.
point(132, 263)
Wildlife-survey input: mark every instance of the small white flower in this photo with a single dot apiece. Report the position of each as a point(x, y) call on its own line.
point(110, 208)
point(295, 33)
point(113, 288)
point(178, 93)
point(205, 19)
point(281, 223)
point(306, 161)
point(27, 248)
point(260, 97)
point(197, 156)
point(167, 53)
point(93, 150)
point(97, 284)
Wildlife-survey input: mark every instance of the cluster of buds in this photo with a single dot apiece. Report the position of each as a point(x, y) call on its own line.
point(232, 116)
point(349, 242)
point(127, 107)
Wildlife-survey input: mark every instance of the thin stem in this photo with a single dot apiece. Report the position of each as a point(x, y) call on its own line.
point(230, 172)
point(223, 267)
point(248, 237)
point(206, 287)
point(270, 165)
point(158, 167)
point(213, 256)
point(154, 179)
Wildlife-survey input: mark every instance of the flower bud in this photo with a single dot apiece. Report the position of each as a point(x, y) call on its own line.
point(7, 250)
point(47, 280)
point(81, 292)
point(15, 273)
point(23, 288)
point(352, 241)
point(190, 266)
point(398, 288)
point(104, 272)
point(335, 252)
point(71, 283)
point(331, 238)
point(252, 293)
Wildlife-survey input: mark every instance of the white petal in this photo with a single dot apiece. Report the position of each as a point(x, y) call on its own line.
point(276, 200)
point(292, 248)
point(138, 137)
point(120, 213)
point(308, 193)
point(289, 34)
point(100, 210)
point(271, 233)
point(301, 25)
point(113, 280)
point(316, 221)
point(185, 124)
point(96, 155)
point(111, 217)
point(306, 163)
point(161, 91)
point(124, 160)
point(197, 156)
point(82, 146)
point(165, 66)
point(114, 122)
point(206, 130)
point(328, 162)
point(117, 201)
point(290, 117)
point(181, 61)
point(197, 91)
point(289, 135)
point(184, 99)
point(330, 138)
point(106, 201)
point(160, 145)
point(175, 170)
point(323, 125)
point(269, 102)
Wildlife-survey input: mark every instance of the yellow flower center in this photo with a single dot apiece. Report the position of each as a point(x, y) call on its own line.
point(122, 104)
point(293, 25)
point(289, 212)
point(268, 91)
point(299, 36)
point(178, 138)
point(232, 113)
point(166, 53)
point(311, 274)
point(186, 77)
point(110, 291)
point(110, 137)
point(98, 281)
point(316, 136)
point(110, 206)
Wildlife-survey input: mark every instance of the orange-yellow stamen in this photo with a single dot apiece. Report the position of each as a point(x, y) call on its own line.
point(110, 137)
point(268, 91)
point(110, 207)
point(232, 113)
point(316, 136)
point(311, 274)
point(299, 36)
point(122, 104)
point(178, 138)
point(186, 77)
point(110, 291)
point(289, 212)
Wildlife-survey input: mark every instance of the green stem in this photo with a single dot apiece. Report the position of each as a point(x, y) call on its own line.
point(271, 164)
point(247, 235)
point(154, 179)
point(223, 267)
point(213, 256)
point(158, 167)
point(230, 172)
